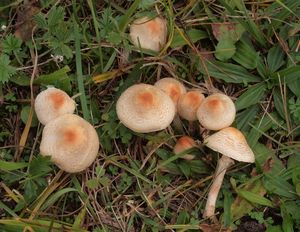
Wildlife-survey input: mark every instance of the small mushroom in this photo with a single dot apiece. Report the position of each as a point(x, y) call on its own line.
point(184, 143)
point(71, 142)
point(189, 103)
point(145, 108)
point(172, 87)
point(216, 112)
point(52, 103)
point(149, 33)
point(231, 143)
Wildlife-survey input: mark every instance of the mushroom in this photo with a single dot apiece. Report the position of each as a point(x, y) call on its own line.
point(184, 143)
point(149, 33)
point(189, 103)
point(172, 87)
point(231, 143)
point(52, 103)
point(71, 142)
point(216, 112)
point(145, 108)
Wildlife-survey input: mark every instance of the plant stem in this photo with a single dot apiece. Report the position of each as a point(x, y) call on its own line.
point(223, 163)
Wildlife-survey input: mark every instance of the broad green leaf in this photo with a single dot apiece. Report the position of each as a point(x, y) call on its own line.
point(245, 55)
point(277, 185)
point(287, 222)
point(289, 75)
point(193, 35)
point(241, 206)
point(229, 73)
point(261, 126)
point(275, 58)
point(10, 166)
point(21, 79)
point(252, 96)
point(225, 49)
point(59, 79)
point(254, 198)
point(245, 117)
point(274, 229)
point(227, 30)
point(24, 116)
point(278, 102)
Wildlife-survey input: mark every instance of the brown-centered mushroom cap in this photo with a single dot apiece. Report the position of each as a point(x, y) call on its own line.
point(217, 111)
point(189, 103)
point(184, 143)
point(71, 142)
point(149, 33)
point(52, 103)
point(231, 143)
point(145, 108)
point(172, 87)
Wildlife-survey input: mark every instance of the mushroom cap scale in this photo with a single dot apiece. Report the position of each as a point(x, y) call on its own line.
point(232, 143)
point(189, 103)
point(172, 87)
point(71, 142)
point(216, 112)
point(149, 33)
point(52, 103)
point(145, 108)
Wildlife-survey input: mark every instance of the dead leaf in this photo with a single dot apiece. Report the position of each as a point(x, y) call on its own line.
point(25, 21)
point(213, 228)
point(268, 165)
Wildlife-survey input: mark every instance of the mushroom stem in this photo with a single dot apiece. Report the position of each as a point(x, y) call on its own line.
point(223, 163)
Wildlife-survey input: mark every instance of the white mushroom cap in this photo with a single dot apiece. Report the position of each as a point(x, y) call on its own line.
point(52, 103)
point(172, 87)
point(71, 142)
point(184, 143)
point(149, 33)
point(217, 111)
point(231, 143)
point(189, 103)
point(145, 108)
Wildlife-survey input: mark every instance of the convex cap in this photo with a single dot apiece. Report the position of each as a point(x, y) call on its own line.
point(71, 142)
point(189, 103)
point(217, 111)
point(231, 143)
point(52, 103)
point(184, 143)
point(149, 33)
point(145, 108)
point(172, 87)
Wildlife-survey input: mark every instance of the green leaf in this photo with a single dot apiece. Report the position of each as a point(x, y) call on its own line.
point(245, 117)
point(193, 35)
point(39, 166)
point(55, 16)
point(229, 73)
point(6, 70)
point(275, 58)
point(225, 49)
point(10, 166)
point(278, 102)
point(255, 198)
point(287, 222)
point(59, 78)
point(40, 21)
point(252, 96)
point(24, 116)
point(246, 55)
point(279, 186)
point(11, 44)
point(289, 75)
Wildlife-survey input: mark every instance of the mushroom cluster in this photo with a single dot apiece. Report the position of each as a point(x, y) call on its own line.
point(145, 108)
point(70, 141)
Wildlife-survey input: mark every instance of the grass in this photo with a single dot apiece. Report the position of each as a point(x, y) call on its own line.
point(136, 182)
